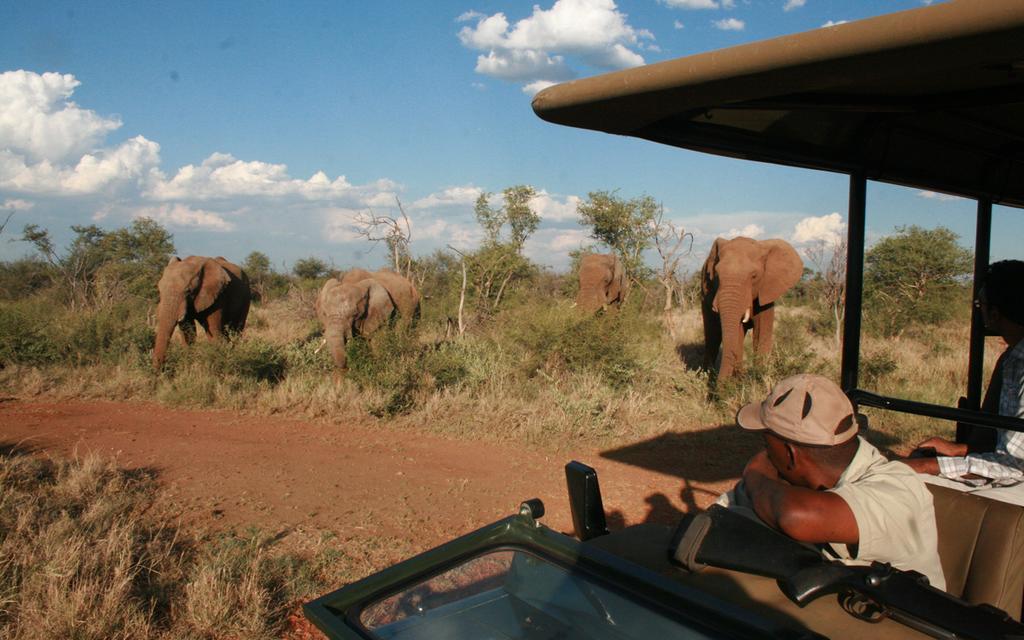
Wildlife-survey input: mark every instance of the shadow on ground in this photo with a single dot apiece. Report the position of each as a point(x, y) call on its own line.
point(701, 456)
point(691, 354)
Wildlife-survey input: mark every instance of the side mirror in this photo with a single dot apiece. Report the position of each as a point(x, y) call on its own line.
point(585, 501)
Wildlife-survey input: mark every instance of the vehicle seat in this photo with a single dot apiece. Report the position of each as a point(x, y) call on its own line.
point(981, 548)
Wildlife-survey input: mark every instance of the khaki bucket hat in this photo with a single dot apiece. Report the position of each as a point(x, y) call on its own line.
point(805, 409)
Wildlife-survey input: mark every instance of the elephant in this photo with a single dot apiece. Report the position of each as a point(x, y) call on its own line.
point(602, 282)
point(211, 291)
point(740, 282)
point(351, 308)
point(402, 291)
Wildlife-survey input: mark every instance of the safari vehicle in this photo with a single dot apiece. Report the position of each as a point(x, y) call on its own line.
point(931, 98)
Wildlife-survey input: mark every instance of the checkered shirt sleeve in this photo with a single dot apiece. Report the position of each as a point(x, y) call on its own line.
point(1006, 463)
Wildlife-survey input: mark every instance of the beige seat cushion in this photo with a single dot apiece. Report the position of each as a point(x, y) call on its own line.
point(981, 547)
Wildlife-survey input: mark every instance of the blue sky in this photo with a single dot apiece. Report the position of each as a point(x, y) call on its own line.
point(268, 126)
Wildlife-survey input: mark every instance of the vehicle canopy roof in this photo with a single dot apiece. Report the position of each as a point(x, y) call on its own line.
point(931, 98)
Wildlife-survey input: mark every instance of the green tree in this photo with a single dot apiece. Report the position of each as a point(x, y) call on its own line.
point(256, 264)
point(310, 268)
point(515, 212)
point(628, 227)
point(105, 266)
point(915, 277)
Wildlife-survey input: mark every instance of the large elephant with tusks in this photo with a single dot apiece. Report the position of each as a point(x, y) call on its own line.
point(210, 291)
point(740, 282)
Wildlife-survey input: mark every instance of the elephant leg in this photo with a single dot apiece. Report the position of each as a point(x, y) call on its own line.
point(712, 336)
point(764, 325)
point(214, 325)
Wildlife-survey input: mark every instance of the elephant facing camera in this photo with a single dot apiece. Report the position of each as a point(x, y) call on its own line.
point(741, 280)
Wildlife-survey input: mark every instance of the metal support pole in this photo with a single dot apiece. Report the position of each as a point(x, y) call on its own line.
point(976, 358)
point(854, 282)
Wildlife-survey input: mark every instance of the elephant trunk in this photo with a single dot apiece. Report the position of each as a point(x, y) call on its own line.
point(167, 319)
point(337, 337)
point(590, 299)
point(733, 308)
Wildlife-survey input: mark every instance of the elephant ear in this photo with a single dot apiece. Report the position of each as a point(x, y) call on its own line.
point(708, 270)
point(379, 308)
point(213, 278)
point(783, 268)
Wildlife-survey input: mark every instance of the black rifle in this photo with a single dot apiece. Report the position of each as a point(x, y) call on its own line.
point(722, 538)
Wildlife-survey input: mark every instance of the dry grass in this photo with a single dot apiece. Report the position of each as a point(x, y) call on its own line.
point(82, 556)
point(517, 378)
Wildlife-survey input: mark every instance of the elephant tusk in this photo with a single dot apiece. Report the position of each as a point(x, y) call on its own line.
point(746, 316)
point(323, 341)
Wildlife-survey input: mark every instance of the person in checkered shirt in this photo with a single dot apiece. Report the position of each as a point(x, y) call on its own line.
point(1001, 301)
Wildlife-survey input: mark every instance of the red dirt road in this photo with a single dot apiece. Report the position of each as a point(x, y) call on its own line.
point(222, 469)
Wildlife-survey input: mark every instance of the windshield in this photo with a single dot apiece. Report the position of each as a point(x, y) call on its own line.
point(511, 594)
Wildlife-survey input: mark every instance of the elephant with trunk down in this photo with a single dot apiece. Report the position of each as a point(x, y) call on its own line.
point(360, 303)
point(602, 282)
point(740, 282)
point(211, 291)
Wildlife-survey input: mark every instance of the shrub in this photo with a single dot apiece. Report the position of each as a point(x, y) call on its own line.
point(25, 334)
point(563, 339)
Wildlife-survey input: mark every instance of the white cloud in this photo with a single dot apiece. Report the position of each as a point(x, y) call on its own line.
point(730, 24)
point(536, 87)
point(551, 209)
point(461, 235)
point(338, 227)
point(691, 4)
point(223, 176)
point(793, 4)
point(934, 195)
point(833, 23)
point(183, 216)
point(38, 121)
point(678, 25)
point(523, 66)
point(534, 49)
point(466, 16)
point(749, 231)
point(134, 161)
point(452, 196)
point(569, 240)
point(14, 204)
point(828, 229)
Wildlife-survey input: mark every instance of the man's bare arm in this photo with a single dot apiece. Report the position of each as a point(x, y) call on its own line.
point(802, 514)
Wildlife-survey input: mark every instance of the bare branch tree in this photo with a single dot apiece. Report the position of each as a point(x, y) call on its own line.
point(394, 232)
point(669, 240)
point(829, 260)
point(462, 292)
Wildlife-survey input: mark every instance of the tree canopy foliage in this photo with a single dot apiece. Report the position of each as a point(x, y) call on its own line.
point(311, 268)
point(100, 265)
point(626, 226)
point(515, 213)
point(915, 276)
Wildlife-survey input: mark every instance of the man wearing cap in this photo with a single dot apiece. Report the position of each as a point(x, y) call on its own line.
point(818, 482)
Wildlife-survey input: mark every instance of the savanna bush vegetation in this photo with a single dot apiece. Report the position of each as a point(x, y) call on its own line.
point(86, 553)
point(499, 351)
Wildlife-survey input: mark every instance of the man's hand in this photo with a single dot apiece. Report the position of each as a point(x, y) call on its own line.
point(939, 446)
